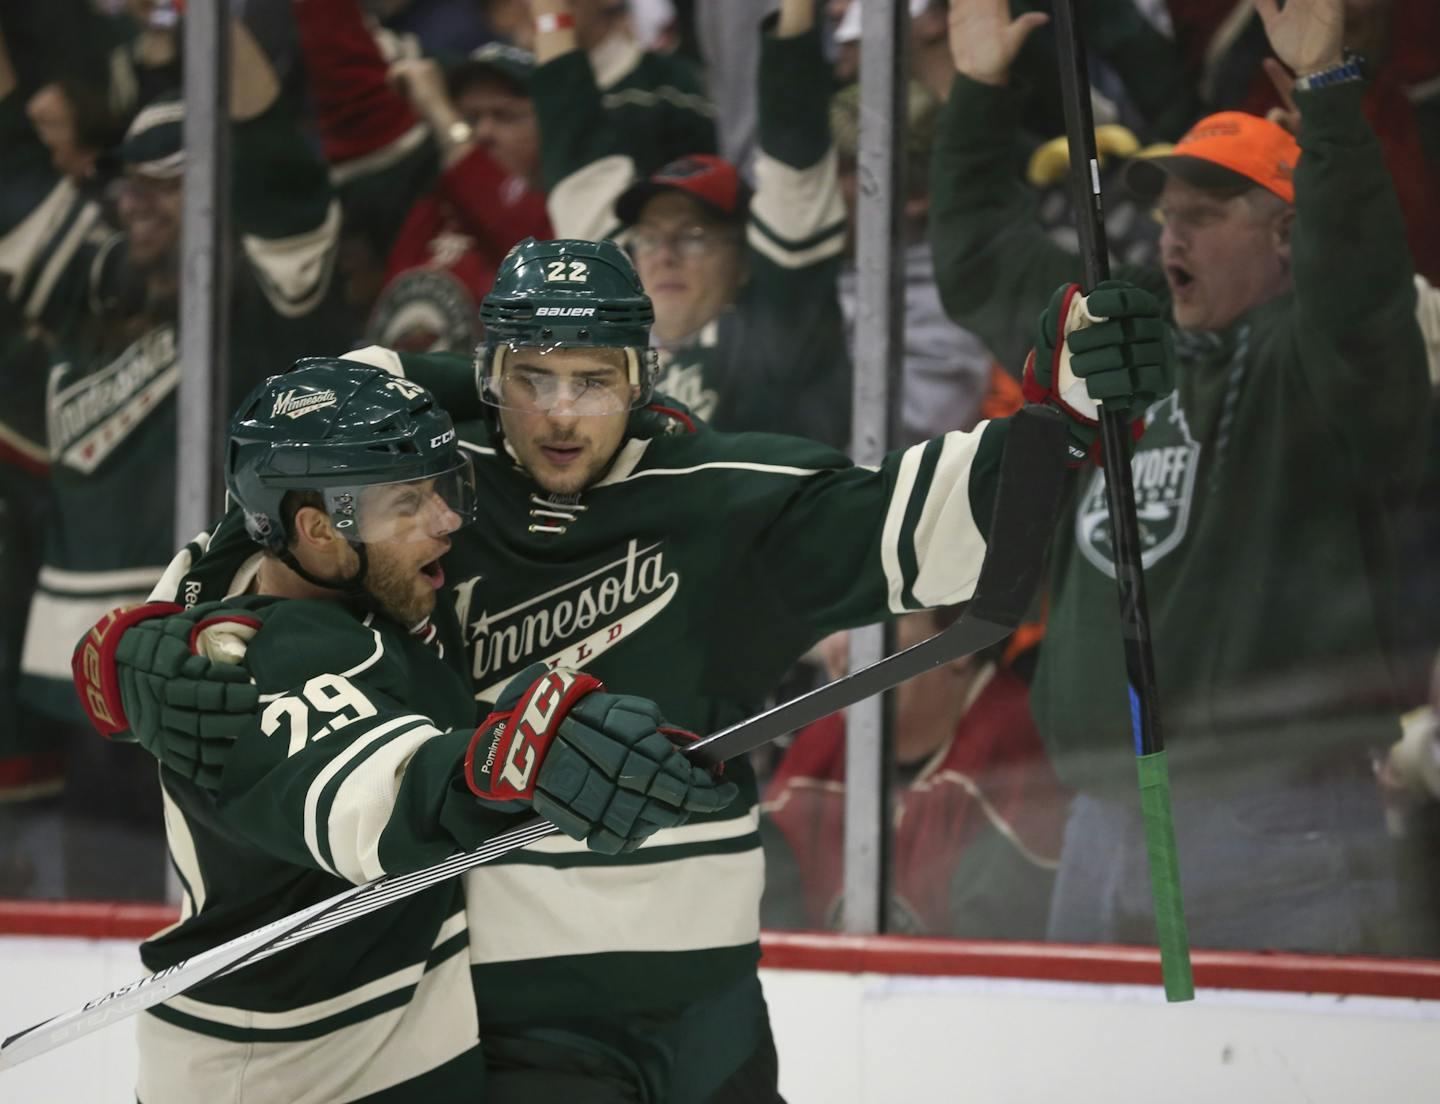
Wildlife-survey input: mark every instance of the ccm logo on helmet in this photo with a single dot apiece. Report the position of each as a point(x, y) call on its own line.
point(564, 312)
point(444, 438)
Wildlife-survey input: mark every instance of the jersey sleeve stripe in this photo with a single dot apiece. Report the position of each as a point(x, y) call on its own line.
point(890, 535)
point(378, 160)
point(946, 541)
point(313, 1014)
point(914, 511)
point(181, 844)
point(362, 801)
point(583, 204)
point(317, 843)
point(744, 824)
point(831, 244)
point(797, 204)
point(294, 272)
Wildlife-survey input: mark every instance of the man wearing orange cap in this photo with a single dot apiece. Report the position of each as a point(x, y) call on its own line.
point(1267, 486)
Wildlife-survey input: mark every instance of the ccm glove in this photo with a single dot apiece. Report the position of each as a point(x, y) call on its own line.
point(1112, 347)
point(171, 680)
point(601, 767)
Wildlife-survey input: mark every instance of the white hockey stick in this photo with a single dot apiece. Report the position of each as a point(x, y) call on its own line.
point(1031, 482)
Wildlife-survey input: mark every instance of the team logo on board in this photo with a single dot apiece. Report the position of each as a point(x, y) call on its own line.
point(1164, 467)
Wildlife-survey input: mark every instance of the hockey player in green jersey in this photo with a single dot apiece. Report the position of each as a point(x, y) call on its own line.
point(365, 759)
point(624, 539)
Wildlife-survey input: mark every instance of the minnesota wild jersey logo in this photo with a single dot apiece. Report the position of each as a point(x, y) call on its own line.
point(569, 625)
point(1164, 468)
point(92, 416)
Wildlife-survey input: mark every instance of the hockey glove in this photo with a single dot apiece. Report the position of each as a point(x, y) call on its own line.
point(170, 679)
point(601, 767)
point(1112, 347)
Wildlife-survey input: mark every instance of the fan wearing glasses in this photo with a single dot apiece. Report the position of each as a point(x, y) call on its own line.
point(747, 318)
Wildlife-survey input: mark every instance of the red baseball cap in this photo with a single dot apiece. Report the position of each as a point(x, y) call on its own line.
point(710, 180)
point(1223, 152)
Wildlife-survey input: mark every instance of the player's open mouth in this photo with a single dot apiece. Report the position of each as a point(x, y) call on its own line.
point(434, 574)
point(562, 455)
point(1180, 278)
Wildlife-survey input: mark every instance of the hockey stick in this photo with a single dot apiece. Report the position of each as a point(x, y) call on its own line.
point(1120, 492)
point(1027, 503)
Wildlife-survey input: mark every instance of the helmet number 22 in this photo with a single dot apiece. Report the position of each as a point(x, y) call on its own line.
point(567, 272)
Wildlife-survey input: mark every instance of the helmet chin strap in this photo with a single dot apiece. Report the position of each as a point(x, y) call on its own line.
point(352, 588)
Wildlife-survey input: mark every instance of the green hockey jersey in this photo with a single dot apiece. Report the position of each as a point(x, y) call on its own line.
point(1267, 487)
point(352, 771)
point(112, 410)
point(695, 573)
point(775, 359)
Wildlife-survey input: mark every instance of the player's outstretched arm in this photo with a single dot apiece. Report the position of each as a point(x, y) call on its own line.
point(603, 767)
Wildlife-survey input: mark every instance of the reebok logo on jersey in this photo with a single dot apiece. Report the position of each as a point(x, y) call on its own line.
point(293, 404)
point(564, 312)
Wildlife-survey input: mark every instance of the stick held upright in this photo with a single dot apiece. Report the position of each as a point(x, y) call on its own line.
point(1144, 697)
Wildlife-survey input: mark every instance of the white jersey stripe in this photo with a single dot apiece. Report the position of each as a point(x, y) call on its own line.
point(99, 582)
point(182, 852)
point(705, 832)
point(890, 535)
point(947, 528)
point(733, 465)
point(364, 803)
point(334, 767)
point(685, 904)
point(58, 621)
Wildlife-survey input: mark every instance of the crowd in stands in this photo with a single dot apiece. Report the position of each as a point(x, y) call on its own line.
point(385, 155)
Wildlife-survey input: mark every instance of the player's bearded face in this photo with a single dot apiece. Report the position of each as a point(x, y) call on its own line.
point(563, 448)
point(402, 572)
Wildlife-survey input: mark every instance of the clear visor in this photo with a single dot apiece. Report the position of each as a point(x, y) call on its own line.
point(407, 510)
point(562, 379)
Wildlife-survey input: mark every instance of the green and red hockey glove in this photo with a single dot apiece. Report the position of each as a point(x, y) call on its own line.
point(601, 767)
point(171, 680)
point(1112, 347)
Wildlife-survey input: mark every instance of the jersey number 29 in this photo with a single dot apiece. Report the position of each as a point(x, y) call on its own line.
point(332, 695)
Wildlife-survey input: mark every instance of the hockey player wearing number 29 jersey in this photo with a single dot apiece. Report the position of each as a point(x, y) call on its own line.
point(623, 539)
point(364, 759)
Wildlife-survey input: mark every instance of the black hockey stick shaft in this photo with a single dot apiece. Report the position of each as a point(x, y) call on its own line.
point(1030, 486)
point(1144, 695)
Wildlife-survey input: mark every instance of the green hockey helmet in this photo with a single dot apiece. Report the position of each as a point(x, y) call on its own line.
point(565, 293)
point(375, 447)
